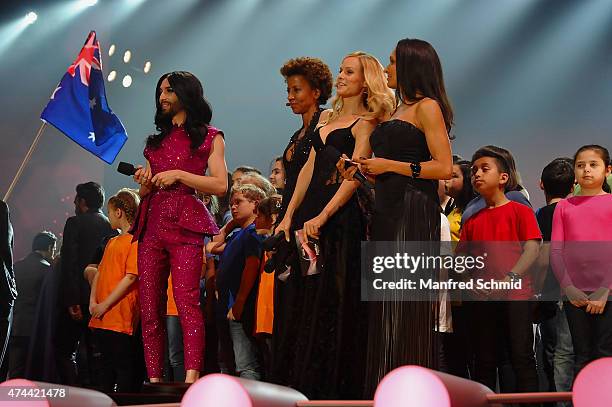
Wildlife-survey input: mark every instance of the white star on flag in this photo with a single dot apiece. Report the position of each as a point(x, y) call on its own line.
point(55, 91)
point(92, 136)
point(92, 103)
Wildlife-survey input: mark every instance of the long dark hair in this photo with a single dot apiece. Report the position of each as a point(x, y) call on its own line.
point(190, 93)
point(467, 192)
point(419, 71)
point(605, 156)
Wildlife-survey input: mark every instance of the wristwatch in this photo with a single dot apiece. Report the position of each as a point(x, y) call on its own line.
point(416, 169)
point(513, 276)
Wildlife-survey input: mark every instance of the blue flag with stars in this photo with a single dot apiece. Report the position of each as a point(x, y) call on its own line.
point(79, 109)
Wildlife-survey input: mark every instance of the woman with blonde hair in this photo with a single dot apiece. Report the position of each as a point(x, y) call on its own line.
point(329, 317)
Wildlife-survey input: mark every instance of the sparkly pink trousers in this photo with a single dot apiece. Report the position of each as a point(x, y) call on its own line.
point(155, 260)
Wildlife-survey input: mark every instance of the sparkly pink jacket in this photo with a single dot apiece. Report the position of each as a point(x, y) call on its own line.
point(175, 214)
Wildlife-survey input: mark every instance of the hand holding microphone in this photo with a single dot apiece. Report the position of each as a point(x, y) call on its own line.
point(141, 174)
point(273, 241)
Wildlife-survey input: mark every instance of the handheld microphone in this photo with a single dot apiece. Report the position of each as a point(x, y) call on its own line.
point(273, 241)
point(333, 154)
point(126, 169)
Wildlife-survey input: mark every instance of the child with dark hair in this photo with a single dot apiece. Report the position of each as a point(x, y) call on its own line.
point(455, 344)
point(508, 232)
point(263, 318)
point(580, 244)
point(277, 174)
point(113, 302)
point(557, 182)
point(513, 190)
point(459, 188)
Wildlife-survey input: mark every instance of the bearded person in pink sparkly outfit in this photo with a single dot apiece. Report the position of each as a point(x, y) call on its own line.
point(171, 222)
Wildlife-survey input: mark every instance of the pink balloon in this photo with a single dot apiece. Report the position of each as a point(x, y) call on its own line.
point(593, 386)
point(216, 390)
point(5, 400)
point(411, 386)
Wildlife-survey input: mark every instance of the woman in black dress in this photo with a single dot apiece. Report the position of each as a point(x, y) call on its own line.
point(309, 85)
point(412, 151)
point(328, 360)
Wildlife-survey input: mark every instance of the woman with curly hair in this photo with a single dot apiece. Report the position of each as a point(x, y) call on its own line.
point(331, 319)
point(309, 86)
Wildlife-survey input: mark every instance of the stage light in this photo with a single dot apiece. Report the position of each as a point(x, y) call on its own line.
point(31, 17)
point(112, 75)
point(127, 81)
point(127, 56)
point(88, 3)
point(111, 50)
point(147, 67)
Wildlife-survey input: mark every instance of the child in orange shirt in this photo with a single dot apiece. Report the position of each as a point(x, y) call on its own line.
point(113, 303)
point(267, 211)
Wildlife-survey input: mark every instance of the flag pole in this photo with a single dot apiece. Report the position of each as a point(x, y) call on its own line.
point(25, 161)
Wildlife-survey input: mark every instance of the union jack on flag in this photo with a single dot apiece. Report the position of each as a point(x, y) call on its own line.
point(79, 109)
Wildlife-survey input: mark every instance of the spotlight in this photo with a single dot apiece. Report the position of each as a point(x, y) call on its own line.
point(31, 17)
point(112, 75)
point(147, 67)
point(111, 50)
point(127, 56)
point(89, 3)
point(127, 81)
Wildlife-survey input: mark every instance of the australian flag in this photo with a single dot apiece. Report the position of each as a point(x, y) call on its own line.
point(79, 109)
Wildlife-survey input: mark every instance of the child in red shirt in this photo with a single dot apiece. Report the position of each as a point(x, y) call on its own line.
point(508, 233)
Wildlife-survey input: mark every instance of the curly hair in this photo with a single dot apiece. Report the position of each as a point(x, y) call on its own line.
point(127, 200)
point(316, 72)
point(249, 191)
point(378, 98)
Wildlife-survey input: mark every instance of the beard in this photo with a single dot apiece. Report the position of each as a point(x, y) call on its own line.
point(171, 111)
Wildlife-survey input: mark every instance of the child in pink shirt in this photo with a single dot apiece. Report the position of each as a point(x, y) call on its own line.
point(580, 255)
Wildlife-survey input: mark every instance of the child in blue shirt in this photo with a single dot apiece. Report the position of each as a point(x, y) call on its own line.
point(236, 281)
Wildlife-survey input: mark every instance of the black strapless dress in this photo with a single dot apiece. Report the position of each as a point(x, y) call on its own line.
point(329, 326)
point(401, 332)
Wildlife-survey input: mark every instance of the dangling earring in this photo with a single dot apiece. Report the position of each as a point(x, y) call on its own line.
point(365, 96)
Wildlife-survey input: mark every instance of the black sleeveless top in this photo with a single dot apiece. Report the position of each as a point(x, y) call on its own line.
point(326, 178)
point(294, 157)
point(399, 140)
